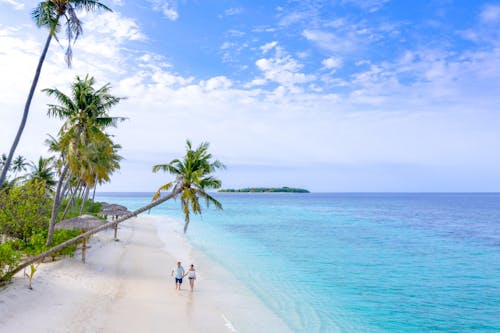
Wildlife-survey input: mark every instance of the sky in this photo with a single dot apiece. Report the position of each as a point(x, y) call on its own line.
point(332, 96)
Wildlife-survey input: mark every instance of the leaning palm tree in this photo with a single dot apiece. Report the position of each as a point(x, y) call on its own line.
point(192, 179)
point(194, 171)
point(85, 114)
point(49, 14)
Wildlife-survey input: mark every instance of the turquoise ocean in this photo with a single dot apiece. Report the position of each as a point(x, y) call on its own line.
point(357, 262)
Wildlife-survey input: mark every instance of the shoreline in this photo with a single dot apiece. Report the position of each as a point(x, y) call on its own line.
point(126, 286)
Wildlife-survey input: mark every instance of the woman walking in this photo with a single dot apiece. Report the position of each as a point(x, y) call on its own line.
point(191, 273)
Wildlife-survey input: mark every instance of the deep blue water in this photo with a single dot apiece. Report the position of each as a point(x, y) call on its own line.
point(358, 262)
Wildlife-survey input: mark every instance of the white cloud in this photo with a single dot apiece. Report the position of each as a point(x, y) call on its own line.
point(16, 4)
point(218, 82)
point(427, 108)
point(233, 11)
point(331, 41)
point(167, 7)
point(490, 13)
point(113, 23)
point(293, 18)
point(227, 45)
point(283, 69)
point(268, 46)
point(332, 63)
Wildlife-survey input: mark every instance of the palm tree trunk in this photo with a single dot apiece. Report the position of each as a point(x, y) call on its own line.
point(186, 223)
point(56, 204)
point(85, 197)
point(86, 234)
point(26, 110)
point(66, 186)
point(70, 203)
point(95, 186)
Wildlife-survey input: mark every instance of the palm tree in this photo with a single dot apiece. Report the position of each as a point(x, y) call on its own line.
point(3, 161)
point(85, 115)
point(19, 164)
point(43, 171)
point(192, 179)
point(194, 171)
point(48, 14)
point(98, 160)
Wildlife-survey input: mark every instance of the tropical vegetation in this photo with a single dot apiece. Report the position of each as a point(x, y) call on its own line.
point(35, 195)
point(52, 14)
point(193, 177)
point(39, 194)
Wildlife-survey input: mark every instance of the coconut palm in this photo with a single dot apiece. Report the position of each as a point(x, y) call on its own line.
point(85, 115)
point(19, 164)
point(43, 171)
point(3, 160)
point(49, 14)
point(192, 179)
point(98, 160)
point(194, 171)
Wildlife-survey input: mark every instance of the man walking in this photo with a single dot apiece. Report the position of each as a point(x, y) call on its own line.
point(179, 273)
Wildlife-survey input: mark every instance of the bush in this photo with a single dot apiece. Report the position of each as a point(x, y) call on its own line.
point(36, 244)
point(9, 258)
point(24, 210)
point(61, 236)
point(91, 208)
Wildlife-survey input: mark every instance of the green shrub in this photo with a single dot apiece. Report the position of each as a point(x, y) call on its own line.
point(61, 236)
point(91, 208)
point(36, 244)
point(9, 258)
point(24, 210)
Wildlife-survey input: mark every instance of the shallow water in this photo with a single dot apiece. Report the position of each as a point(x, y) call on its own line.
point(358, 262)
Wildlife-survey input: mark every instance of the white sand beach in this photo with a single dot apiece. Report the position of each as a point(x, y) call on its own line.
point(126, 286)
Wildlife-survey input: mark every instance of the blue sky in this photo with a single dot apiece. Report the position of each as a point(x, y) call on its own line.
point(345, 95)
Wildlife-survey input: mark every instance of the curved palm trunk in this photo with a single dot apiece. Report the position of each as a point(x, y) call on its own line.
point(186, 223)
point(26, 110)
point(74, 240)
point(56, 204)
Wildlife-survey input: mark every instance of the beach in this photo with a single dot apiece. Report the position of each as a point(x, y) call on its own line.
point(125, 286)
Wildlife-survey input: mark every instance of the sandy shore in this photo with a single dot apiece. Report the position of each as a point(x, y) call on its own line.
point(126, 286)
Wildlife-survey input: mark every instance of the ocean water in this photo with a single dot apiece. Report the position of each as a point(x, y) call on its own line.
point(357, 262)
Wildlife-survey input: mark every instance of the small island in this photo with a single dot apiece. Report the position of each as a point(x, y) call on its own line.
point(267, 189)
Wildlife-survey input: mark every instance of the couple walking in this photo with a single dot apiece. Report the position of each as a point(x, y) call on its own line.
point(180, 274)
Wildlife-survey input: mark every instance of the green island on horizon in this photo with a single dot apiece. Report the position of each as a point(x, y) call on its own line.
point(283, 189)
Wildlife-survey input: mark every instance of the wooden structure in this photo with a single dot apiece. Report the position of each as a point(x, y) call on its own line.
point(84, 223)
point(114, 214)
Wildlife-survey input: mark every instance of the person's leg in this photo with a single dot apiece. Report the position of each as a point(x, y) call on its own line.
point(191, 283)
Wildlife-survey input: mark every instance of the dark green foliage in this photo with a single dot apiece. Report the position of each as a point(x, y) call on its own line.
point(268, 189)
